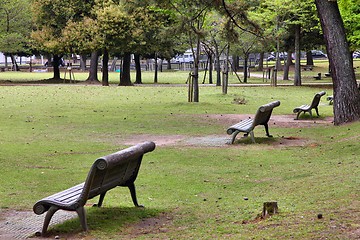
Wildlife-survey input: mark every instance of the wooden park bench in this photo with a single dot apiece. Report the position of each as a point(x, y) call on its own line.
point(330, 99)
point(318, 77)
point(117, 169)
point(308, 67)
point(247, 126)
point(307, 108)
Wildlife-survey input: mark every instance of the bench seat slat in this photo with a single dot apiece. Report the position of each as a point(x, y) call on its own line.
point(67, 196)
point(243, 126)
point(304, 107)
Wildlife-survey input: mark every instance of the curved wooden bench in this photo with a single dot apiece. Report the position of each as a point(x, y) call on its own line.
point(117, 169)
point(307, 108)
point(247, 126)
point(330, 99)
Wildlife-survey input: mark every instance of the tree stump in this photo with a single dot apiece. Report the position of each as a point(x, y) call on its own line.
point(269, 208)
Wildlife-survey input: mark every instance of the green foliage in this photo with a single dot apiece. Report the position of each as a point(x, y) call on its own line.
point(82, 37)
point(15, 26)
point(52, 18)
point(350, 12)
point(13, 43)
point(115, 26)
point(277, 19)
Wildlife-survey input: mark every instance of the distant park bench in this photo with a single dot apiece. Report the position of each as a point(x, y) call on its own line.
point(117, 169)
point(247, 126)
point(318, 77)
point(308, 67)
point(330, 99)
point(307, 108)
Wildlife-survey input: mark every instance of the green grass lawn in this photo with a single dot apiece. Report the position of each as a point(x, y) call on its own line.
point(51, 134)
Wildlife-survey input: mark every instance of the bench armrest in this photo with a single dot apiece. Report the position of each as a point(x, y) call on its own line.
point(269, 106)
point(116, 158)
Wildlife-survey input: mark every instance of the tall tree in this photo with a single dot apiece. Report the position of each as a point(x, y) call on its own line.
point(245, 44)
point(117, 28)
point(346, 92)
point(154, 36)
point(51, 17)
point(214, 41)
point(284, 23)
point(192, 15)
point(83, 37)
point(15, 28)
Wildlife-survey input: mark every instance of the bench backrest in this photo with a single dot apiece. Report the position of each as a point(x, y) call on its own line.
point(116, 169)
point(263, 114)
point(315, 102)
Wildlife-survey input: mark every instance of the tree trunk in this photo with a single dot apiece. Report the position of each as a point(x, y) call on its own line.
point(56, 64)
point(93, 76)
point(83, 62)
point(346, 94)
point(217, 67)
point(297, 80)
point(261, 62)
point(105, 70)
point(168, 66)
point(287, 65)
point(6, 61)
point(246, 56)
point(196, 70)
point(125, 74)
point(226, 72)
point(156, 69)
point(210, 68)
point(235, 63)
point(15, 66)
point(309, 59)
point(137, 69)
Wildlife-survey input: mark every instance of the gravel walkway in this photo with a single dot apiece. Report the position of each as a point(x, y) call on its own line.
point(23, 225)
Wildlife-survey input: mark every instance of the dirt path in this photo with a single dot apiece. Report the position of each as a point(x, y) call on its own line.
point(284, 121)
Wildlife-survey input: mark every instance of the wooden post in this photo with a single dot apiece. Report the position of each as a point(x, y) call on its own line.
point(190, 83)
point(269, 208)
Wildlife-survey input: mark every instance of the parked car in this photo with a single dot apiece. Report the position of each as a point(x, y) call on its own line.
point(318, 54)
point(186, 58)
point(356, 54)
point(272, 56)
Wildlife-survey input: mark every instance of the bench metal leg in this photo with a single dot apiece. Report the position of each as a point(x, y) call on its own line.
point(101, 199)
point(132, 189)
point(317, 111)
point(267, 130)
point(252, 136)
point(47, 220)
point(234, 136)
point(82, 216)
point(297, 115)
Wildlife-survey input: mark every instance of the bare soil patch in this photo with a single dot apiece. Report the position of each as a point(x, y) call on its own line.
point(160, 140)
point(156, 225)
point(285, 121)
